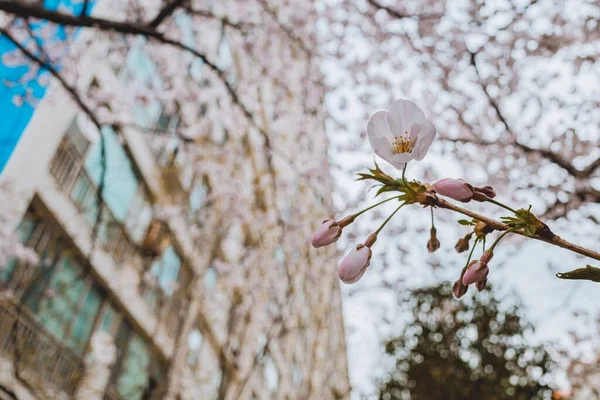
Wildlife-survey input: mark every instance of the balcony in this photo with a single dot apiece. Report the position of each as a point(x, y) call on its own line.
point(111, 393)
point(42, 361)
point(73, 180)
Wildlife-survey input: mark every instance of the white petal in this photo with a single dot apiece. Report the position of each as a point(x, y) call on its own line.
point(423, 141)
point(378, 126)
point(400, 160)
point(402, 115)
point(383, 148)
point(380, 135)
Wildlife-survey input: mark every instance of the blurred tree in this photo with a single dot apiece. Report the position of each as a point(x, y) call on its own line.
point(472, 349)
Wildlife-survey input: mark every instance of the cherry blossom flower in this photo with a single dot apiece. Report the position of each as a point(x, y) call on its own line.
point(353, 267)
point(401, 134)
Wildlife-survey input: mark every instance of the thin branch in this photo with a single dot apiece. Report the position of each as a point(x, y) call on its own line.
point(165, 12)
point(400, 15)
point(547, 154)
point(240, 26)
point(84, 9)
point(499, 226)
point(288, 32)
point(53, 71)
point(24, 11)
point(87, 110)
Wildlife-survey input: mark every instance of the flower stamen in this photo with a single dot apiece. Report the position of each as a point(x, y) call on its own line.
point(402, 144)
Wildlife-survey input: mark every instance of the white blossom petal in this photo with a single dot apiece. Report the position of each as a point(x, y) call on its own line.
point(383, 148)
point(378, 127)
point(423, 140)
point(402, 115)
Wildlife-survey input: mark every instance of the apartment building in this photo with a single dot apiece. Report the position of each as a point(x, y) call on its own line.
point(169, 267)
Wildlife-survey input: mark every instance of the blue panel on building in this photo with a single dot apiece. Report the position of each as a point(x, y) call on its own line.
point(17, 90)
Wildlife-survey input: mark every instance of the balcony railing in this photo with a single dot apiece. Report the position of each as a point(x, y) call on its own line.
point(38, 358)
point(111, 393)
point(73, 180)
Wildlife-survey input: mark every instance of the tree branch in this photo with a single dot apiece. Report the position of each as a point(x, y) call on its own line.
point(288, 32)
point(240, 26)
point(499, 226)
point(165, 12)
point(50, 68)
point(547, 154)
point(400, 15)
point(26, 10)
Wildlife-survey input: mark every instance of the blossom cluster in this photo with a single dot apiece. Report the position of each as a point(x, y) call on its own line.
point(398, 136)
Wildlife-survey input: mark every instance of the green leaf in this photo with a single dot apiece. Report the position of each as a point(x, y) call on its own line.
point(588, 273)
point(465, 222)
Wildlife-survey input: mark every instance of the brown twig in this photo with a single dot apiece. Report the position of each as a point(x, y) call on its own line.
point(499, 226)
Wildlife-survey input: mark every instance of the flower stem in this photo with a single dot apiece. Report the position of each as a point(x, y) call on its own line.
point(432, 220)
point(471, 253)
point(404, 178)
point(499, 238)
point(500, 205)
point(388, 219)
point(373, 206)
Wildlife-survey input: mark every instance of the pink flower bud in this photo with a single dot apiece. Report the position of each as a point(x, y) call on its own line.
point(487, 190)
point(480, 285)
point(459, 289)
point(328, 232)
point(456, 189)
point(476, 271)
point(353, 267)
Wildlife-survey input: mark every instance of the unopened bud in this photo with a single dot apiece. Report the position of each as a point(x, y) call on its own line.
point(458, 289)
point(487, 190)
point(433, 243)
point(456, 189)
point(463, 243)
point(476, 271)
point(480, 285)
point(328, 232)
point(353, 267)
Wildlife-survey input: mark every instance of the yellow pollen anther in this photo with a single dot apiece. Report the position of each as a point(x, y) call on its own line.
point(402, 144)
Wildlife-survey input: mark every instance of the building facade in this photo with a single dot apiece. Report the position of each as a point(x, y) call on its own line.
point(167, 255)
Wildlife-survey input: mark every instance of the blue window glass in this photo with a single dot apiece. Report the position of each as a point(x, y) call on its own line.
point(120, 181)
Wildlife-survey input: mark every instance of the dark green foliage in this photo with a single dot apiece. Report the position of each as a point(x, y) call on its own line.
point(464, 350)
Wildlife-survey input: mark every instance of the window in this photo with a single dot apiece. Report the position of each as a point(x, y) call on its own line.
point(140, 215)
point(167, 122)
point(120, 180)
point(55, 290)
point(210, 278)
point(271, 373)
point(197, 195)
point(137, 374)
point(225, 59)
point(134, 377)
point(194, 343)
point(164, 288)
